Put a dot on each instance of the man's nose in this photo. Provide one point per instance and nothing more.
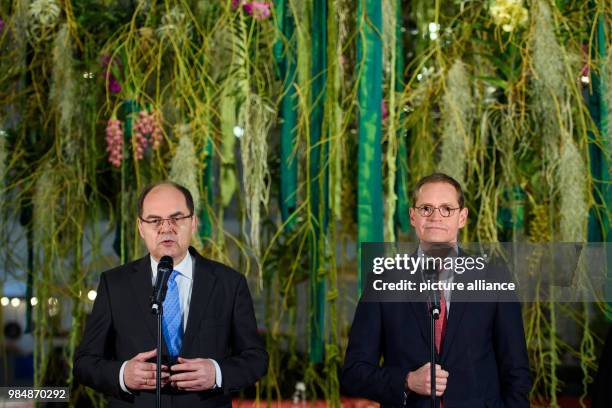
(166, 226)
(436, 216)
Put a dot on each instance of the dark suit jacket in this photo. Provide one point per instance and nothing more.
(221, 325)
(483, 350)
(602, 391)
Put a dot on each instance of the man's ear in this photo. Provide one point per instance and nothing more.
(463, 214)
(194, 223)
(411, 213)
(140, 227)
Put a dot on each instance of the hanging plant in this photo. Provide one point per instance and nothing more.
(147, 132)
(43, 15)
(456, 121)
(173, 22)
(114, 141)
(185, 165)
(509, 14)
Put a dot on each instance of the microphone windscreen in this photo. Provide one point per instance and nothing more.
(165, 262)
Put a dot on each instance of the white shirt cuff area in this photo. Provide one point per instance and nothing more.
(121, 382)
(217, 374)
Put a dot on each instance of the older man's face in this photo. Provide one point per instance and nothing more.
(173, 236)
(436, 228)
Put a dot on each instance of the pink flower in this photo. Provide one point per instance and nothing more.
(108, 65)
(235, 4)
(114, 86)
(260, 10)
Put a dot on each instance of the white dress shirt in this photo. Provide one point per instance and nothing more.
(184, 281)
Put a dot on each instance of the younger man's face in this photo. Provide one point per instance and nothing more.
(436, 228)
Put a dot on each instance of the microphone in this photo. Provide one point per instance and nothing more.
(435, 251)
(432, 274)
(164, 270)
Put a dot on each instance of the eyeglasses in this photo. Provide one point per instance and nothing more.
(427, 210)
(173, 221)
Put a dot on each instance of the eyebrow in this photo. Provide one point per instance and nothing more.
(175, 214)
(448, 204)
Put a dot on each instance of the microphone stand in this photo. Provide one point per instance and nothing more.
(158, 310)
(434, 315)
(164, 269)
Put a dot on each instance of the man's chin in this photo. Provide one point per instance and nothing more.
(436, 240)
(165, 251)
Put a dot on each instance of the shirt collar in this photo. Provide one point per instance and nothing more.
(185, 267)
(453, 253)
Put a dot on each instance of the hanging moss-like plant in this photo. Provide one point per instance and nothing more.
(255, 118)
(63, 87)
(185, 165)
(457, 112)
(550, 85)
(573, 197)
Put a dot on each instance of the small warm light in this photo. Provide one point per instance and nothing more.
(91, 295)
(238, 131)
(5, 301)
(34, 301)
(15, 302)
(585, 79)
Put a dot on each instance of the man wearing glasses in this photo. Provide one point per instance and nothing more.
(480, 347)
(211, 345)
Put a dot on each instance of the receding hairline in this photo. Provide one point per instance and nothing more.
(418, 191)
(166, 183)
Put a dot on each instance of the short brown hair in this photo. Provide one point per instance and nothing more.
(185, 191)
(438, 178)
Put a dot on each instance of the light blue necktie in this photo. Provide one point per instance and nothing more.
(173, 317)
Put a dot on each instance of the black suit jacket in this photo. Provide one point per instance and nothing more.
(602, 392)
(483, 350)
(221, 325)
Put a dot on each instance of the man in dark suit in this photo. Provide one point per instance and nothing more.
(210, 338)
(480, 347)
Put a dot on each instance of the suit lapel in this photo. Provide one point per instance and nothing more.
(455, 315)
(421, 313)
(140, 278)
(201, 291)
(453, 324)
(420, 308)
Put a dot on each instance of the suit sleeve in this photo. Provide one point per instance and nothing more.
(93, 363)
(249, 359)
(511, 355)
(362, 375)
